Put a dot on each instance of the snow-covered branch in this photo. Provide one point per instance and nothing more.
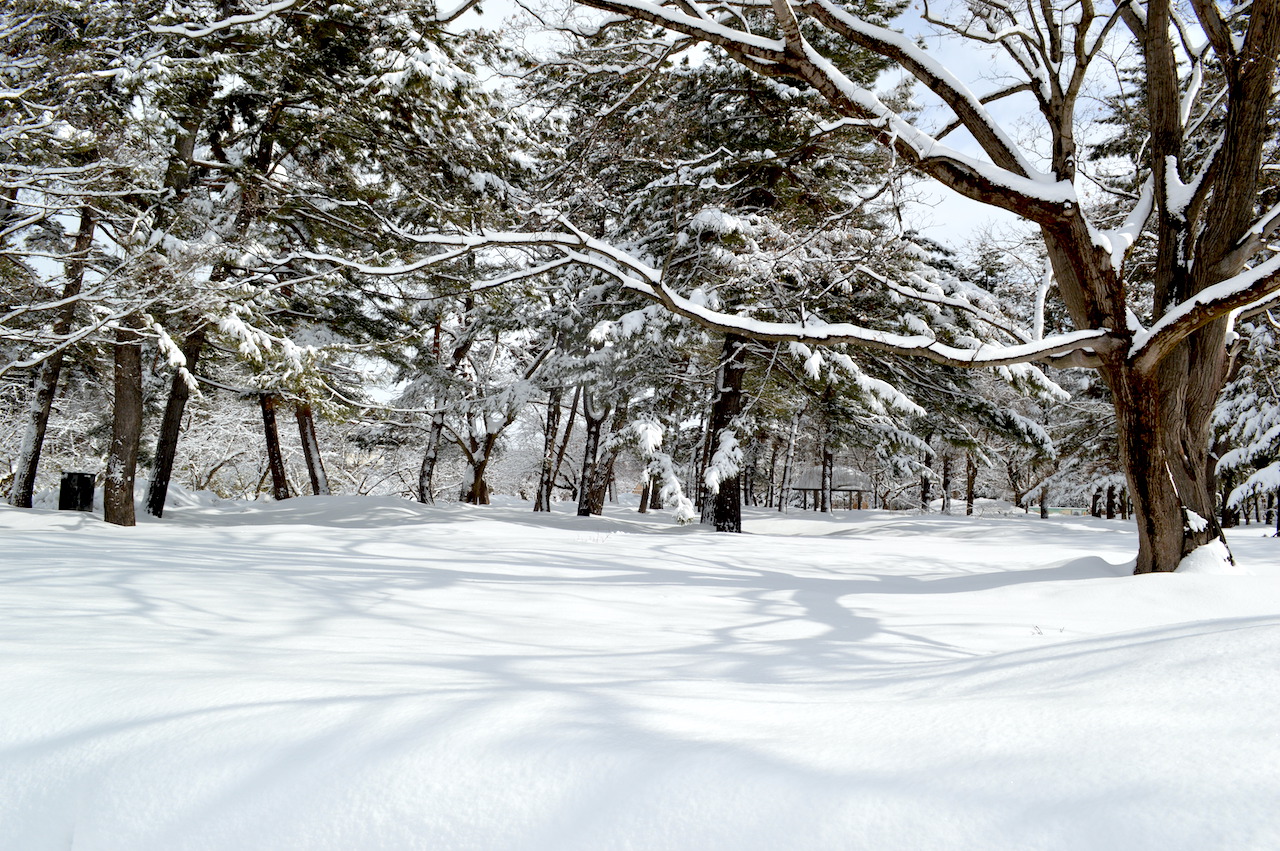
(1073, 349)
(1250, 289)
(190, 30)
(1007, 180)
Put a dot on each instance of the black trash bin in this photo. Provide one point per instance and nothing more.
(76, 492)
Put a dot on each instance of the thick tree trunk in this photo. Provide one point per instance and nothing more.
(602, 474)
(1111, 502)
(275, 458)
(723, 508)
(645, 492)
(1163, 424)
(1044, 502)
(46, 388)
(171, 426)
(311, 449)
(476, 491)
(126, 425)
(594, 421)
(427, 472)
(825, 482)
(655, 498)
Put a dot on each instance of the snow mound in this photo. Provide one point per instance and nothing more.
(1211, 558)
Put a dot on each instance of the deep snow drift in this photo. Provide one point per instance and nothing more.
(347, 673)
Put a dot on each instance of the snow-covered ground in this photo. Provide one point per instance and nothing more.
(347, 673)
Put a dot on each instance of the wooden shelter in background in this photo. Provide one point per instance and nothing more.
(850, 488)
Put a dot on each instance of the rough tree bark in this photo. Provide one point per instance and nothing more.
(594, 422)
(126, 424)
(479, 452)
(311, 448)
(275, 458)
(171, 426)
(427, 472)
(723, 508)
(597, 487)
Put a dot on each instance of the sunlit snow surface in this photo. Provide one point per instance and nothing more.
(349, 673)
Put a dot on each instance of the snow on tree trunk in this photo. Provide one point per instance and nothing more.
(311, 449)
(475, 490)
(602, 472)
(427, 472)
(594, 421)
(1163, 427)
(722, 507)
(275, 458)
(46, 387)
(667, 489)
(126, 425)
(171, 425)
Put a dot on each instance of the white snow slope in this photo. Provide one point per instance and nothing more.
(347, 673)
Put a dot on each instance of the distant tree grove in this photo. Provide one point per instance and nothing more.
(664, 256)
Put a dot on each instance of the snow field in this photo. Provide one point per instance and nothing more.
(346, 673)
